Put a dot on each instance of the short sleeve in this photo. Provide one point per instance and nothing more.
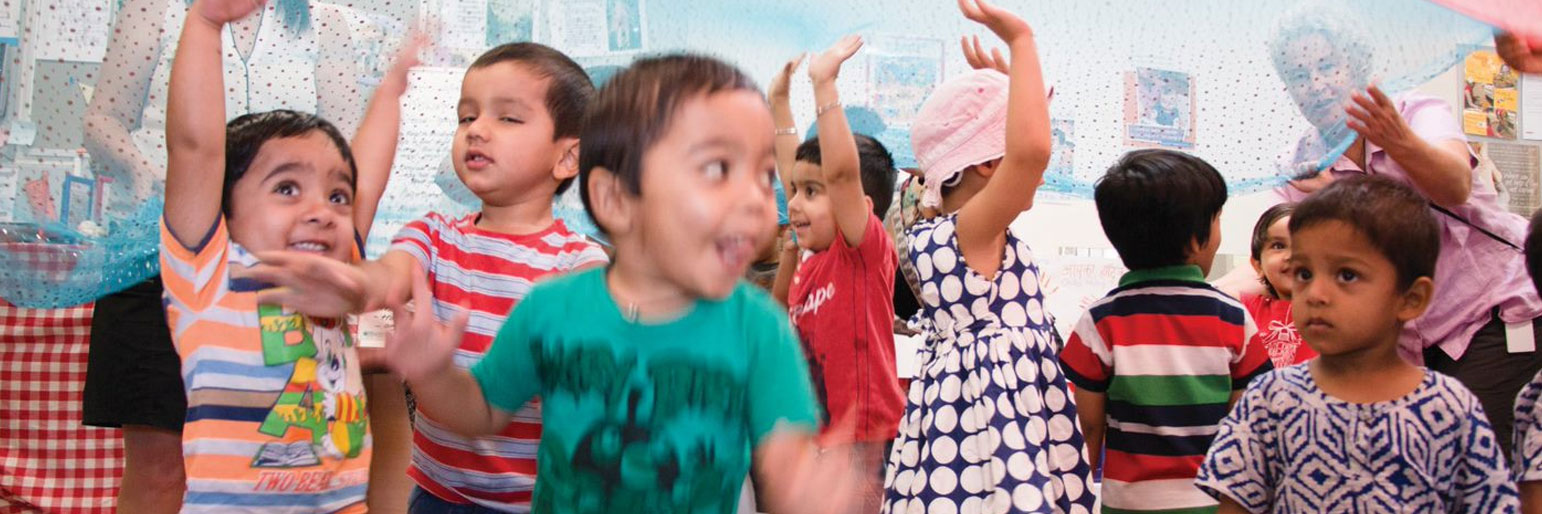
(508, 374)
(779, 386)
(588, 254)
(1430, 118)
(1526, 463)
(417, 237)
(1481, 481)
(193, 276)
(877, 247)
(1241, 464)
(1252, 359)
(1087, 360)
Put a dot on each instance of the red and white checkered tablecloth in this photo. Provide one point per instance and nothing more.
(49, 462)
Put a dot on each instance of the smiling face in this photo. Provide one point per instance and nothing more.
(706, 203)
(808, 208)
(296, 195)
(1273, 262)
(504, 149)
(1319, 78)
(1346, 297)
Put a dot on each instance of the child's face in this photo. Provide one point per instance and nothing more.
(707, 203)
(297, 196)
(1273, 261)
(808, 208)
(503, 149)
(1345, 294)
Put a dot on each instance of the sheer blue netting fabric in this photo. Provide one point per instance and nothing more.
(1257, 88)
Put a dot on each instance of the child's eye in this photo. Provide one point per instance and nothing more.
(466, 119)
(507, 119)
(1345, 275)
(715, 170)
(1303, 274)
(1277, 246)
(341, 198)
(286, 189)
(770, 178)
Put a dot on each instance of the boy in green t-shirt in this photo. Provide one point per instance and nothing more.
(663, 377)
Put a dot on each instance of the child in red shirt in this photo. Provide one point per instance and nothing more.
(1271, 310)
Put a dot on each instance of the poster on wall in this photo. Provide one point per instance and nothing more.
(902, 71)
(1514, 169)
(1076, 278)
(590, 28)
(1490, 96)
(1062, 158)
(77, 30)
(1159, 108)
(1531, 107)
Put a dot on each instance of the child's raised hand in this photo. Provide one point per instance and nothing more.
(781, 85)
(406, 59)
(419, 347)
(978, 59)
(827, 65)
(220, 12)
(1007, 26)
(309, 284)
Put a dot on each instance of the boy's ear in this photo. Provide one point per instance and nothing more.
(1416, 299)
(567, 165)
(612, 204)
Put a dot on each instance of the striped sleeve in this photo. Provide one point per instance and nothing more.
(1087, 360)
(1252, 358)
(192, 276)
(588, 254)
(417, 238)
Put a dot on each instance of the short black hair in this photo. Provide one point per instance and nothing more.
(1261, 236)
(1153, 203)
(245, 135)
(1392, 216)
(569, 91)
(877, 168)
(635, 108)
(1534, 250)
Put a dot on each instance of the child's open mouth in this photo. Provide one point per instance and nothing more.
(310, 247)
(477, 160)
(735, 251)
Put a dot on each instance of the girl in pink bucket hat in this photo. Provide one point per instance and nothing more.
(989, 425)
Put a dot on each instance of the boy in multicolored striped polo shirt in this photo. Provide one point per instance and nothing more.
(1158, 362)
(277, 419)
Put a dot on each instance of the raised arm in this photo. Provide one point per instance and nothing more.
(132, 55)
(1011, 189)
(195, 120)
(840, 164)
(374, 145)
(1439, 169)
(786, 144)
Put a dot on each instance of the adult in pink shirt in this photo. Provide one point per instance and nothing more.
(1481, 283)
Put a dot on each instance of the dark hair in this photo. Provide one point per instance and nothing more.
(635, 109)
(877, 169)
(1534, 250)
(1261, 237)
(245, 135)
(568, 90)
(1153, 203)
(1392, 216)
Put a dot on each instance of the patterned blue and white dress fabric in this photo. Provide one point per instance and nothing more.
(1526, 463)
(990, 425)
(1288, 447)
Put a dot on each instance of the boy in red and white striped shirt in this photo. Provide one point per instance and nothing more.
(516, 147)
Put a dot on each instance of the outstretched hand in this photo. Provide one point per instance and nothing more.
(1374, 116)
(827, 65)
(1007, 26)
(309, 284)
(406, 59)
(978, 59)
(419, 347)
(220, 12)
(781, 85)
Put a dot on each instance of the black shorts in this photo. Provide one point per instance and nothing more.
(133, 374)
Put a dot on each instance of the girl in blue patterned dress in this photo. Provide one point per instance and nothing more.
(990, 425)
(1358, 429)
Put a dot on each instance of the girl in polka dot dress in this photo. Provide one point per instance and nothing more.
(990, 425)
